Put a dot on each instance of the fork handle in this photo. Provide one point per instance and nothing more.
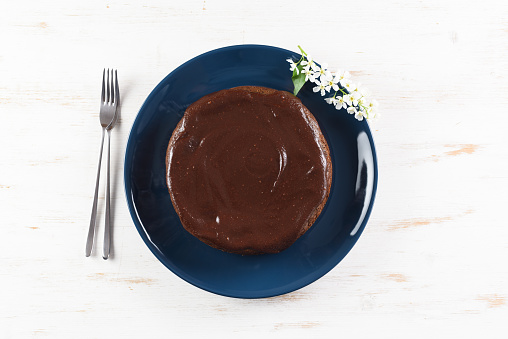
(91, 230)
(107, 239)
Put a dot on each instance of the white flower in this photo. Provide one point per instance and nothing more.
(347, 99)
(352, 110)
(355, 87)
(331, 101)
(309, 75)
(356, 94)
(340, 103)
(350, 100)
(359, 115)
(371, 108)
(342, 77)
(348, 85)
(323, 73)
(358, 91)
(371, 105)
(321, 86)
(332, 82)
(309, 64)
(292, 66)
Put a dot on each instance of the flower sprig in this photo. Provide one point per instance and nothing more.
(347, 95)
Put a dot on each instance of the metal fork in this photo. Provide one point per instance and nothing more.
(110, 100)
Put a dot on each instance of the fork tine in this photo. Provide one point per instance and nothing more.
(108, 90)
(103, 85)
(110, 86)
(117, 89)
(113, 94)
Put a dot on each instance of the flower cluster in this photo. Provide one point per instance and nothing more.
(352, 97)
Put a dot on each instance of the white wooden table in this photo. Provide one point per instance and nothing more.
(432, 262)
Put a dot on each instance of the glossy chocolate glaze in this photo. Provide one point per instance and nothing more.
(248, 170)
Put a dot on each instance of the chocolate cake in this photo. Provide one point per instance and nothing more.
(248, 170)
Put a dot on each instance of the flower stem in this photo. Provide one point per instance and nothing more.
(301, 50)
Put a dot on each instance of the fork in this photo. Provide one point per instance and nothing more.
(110, 100)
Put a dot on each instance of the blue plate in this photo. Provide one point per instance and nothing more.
(310, 257)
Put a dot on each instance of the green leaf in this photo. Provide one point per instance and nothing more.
(298, 80)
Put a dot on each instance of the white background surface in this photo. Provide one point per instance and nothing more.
(432, 261)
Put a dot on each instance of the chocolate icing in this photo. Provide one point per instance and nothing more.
(248, 170)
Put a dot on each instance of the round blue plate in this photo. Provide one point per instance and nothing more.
(310, 257)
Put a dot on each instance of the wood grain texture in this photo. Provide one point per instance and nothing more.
(432, 260)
